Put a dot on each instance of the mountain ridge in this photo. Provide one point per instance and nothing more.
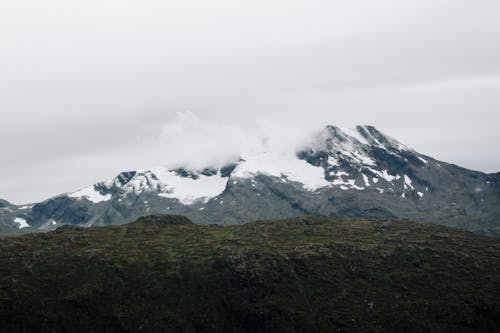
(359, 172)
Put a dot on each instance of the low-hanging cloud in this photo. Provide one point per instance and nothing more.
(193, 141)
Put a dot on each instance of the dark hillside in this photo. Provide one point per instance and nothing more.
(163, 273)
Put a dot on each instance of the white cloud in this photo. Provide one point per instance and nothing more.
(197, 143)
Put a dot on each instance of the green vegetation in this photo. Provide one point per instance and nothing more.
(163, 273)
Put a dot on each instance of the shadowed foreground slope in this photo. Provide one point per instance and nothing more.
(163, 273)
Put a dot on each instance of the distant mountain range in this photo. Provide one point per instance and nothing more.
(356, 173)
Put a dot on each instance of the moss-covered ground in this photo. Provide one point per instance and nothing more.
(307, 274)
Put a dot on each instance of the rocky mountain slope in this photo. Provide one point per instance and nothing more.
(307, 274)
(360, 172)
(12, 217)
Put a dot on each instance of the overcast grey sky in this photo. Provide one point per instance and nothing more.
(90, 88)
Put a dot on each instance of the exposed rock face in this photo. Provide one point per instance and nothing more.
(360, 172)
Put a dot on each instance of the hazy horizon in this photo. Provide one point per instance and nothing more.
(95, 88)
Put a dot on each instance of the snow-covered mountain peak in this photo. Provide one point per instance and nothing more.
(334, 156)
(334, 138)
(358, 171)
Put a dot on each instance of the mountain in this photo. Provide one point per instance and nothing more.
(306, 274)
(12, 217)
(359, 173)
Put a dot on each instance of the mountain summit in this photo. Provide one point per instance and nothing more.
(359, 172)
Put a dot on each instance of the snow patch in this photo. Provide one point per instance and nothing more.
(189, 190)
(143, 181)
(408, 182)
(365, 179)
(423, 160)
(332, 161)
(90, 194)
(282, 165)
(22, 222)
(345, 184)
(363, 159)
(384, 175)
